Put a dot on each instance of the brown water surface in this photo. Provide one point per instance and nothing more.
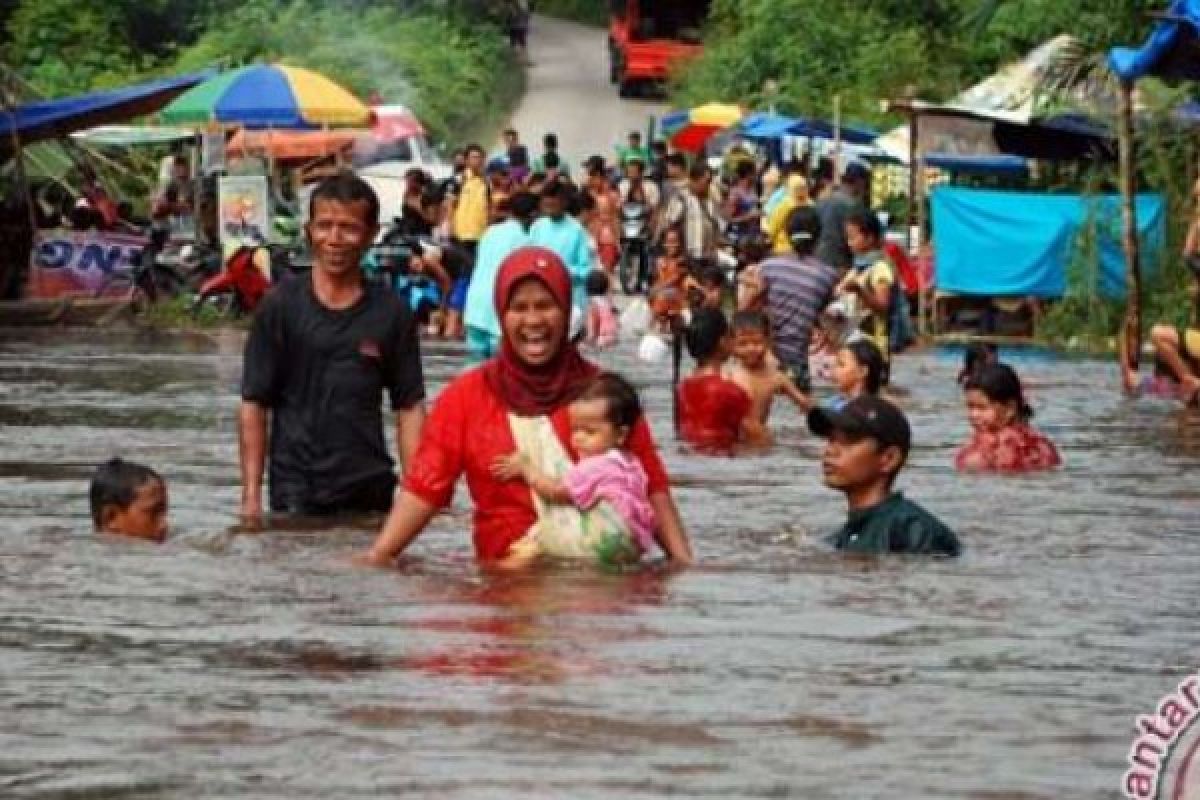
(264, 666)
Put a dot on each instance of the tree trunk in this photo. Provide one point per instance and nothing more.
(1129, 238)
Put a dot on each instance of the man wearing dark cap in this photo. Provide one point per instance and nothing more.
(834, 209)
(868, 444)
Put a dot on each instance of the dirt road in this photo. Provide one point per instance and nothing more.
(569, 93)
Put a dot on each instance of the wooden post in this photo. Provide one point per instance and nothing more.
(22, 182)
(1129, 237)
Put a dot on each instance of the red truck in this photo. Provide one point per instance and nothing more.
(647, 37)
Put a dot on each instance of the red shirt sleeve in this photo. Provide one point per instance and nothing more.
(641, 445)
(439, 459)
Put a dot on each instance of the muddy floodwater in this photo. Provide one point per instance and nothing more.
(265, 666)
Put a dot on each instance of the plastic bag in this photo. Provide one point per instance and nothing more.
(653, 349)
(636, 318)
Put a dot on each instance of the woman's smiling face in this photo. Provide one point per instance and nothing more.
(534, 323)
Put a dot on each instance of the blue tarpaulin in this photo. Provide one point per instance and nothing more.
(774, 126)
(48, 119)
(1167, 53)
(996, 243)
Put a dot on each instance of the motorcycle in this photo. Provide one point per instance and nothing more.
(635, 265)
(151, 279)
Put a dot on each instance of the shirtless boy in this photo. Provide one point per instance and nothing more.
(757, 371)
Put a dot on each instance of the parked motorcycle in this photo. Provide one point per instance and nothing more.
(151, 279)
(246, 277)
(635, 266)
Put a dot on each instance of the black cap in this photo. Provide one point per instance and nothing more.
(803, 225)
(866, 415)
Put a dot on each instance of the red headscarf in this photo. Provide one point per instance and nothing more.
(531, 391)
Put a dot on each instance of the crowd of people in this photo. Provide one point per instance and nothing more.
(558, 457)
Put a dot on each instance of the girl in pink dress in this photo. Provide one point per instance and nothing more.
(1002, 439)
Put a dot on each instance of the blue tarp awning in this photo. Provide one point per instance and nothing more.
(997, 244)
(775, 126)
(980, 165)
(49, 119)
(1169, 52)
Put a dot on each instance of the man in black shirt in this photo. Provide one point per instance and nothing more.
(321, 352)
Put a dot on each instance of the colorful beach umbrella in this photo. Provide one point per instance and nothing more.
(690, 130)
(268, 96)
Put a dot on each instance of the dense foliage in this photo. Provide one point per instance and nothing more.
(866, 52)
(441, 57)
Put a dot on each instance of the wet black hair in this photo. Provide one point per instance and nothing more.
(752, 249)
(432, 195)
(677, 160)
(597, 283)
(975, 357)
(550, 141)
(707, 272)
(868, 222)
(346, 188)
(1000, 384)
(524, 205)
(115, 483)
(556, 189)
(624, 406)
(867, 355)
(704, 333)
(751, 321)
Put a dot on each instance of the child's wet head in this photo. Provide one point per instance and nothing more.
(129, 499)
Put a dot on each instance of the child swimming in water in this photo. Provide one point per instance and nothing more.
(129, 499)
(1002, 438)
(601, 420)
(757, 371)
(713, 411)
(858, 370)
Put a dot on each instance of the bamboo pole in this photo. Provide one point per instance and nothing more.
(1129, 238)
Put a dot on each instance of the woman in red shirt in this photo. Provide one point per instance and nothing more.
(537, 374)
(1002, 439)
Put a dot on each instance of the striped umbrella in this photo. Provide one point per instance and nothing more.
(690, 130)
(268, 96)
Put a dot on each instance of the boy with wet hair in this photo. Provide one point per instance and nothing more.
(757, 371)
(129, 499)
(868, 444)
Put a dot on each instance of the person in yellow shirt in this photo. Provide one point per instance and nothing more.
(776, 224)
(468, 222)
(471, 210)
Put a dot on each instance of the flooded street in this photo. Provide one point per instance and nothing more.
(264, 666)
